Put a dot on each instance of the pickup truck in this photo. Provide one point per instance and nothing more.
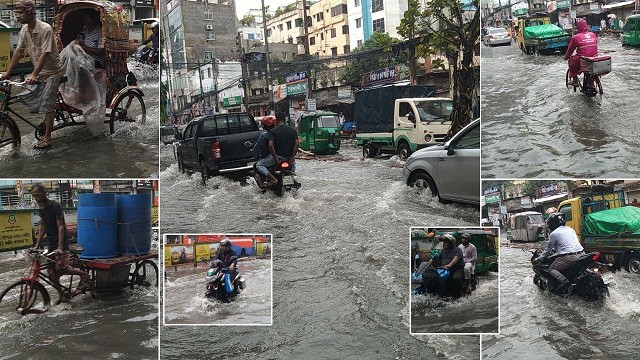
(536, 35)
(217, 144)
(604, 223)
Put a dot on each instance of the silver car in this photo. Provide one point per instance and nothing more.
(497, 36)
(451, 171)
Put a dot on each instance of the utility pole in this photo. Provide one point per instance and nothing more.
(308, 95)
(268, 57)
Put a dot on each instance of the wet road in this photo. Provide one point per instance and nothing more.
(539, 325)
(533, 127)
(118, 326)
(340, 260)
(131, 152)
(184, 301)
(475, 313)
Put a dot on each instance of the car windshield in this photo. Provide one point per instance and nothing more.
(536, 219)
(434, 110)
(497, 31)
(328, 121)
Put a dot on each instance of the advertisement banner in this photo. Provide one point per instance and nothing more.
(167, 256)
(263, 249)
(491, 199)
(181, 254)
(294, 89)
(293, 78)
(381, 76)
(202, 252)
(345, 93)
(15, 231)
(232, 101)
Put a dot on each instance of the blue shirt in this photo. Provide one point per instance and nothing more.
(261, 148)
(563, 240)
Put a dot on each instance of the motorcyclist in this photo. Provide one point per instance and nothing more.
(261, 149)
(451, 258)
(283, 146)
(152, 51)
(585, 43)
(225, 257)
(564, 242)
(469, 256)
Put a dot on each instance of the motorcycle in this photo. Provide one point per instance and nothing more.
(286, 178)
(220, 285)
(146, 55)
(436, 281)
(589, 278)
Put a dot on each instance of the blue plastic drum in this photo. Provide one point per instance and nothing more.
(97, 226)
(134, 224)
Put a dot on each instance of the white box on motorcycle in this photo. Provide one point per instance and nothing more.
(596, 65)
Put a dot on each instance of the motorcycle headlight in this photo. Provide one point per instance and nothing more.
(209, 272)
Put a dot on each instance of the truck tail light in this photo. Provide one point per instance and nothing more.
(216, 150)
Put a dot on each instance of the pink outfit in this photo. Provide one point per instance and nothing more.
(585, 43)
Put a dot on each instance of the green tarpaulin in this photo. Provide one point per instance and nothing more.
(613, 221)
(542, 31)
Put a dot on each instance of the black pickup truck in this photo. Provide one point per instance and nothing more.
(217, 144)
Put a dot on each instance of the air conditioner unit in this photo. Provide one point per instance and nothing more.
(209, 27)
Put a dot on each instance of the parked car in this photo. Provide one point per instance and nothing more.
(451, 171)
(497, 36)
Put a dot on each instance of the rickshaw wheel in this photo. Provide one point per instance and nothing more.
(129, 108)
(9, 132)
(146, 273)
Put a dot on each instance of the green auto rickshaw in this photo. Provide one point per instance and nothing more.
(319, 132)
(631, 31)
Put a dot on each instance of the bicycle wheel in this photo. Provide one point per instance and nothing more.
(128, 108)
(9, 132)
(146, 273)
(598, 84)
(25, 299)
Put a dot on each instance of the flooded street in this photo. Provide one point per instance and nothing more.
(475, 313)
(540, 325)
(533, 127)
(340, 260)
(122, 325)
(184, 301)
(131, 152)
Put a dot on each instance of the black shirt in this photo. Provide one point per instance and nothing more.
(227, 257)
(49, 216)
(446, 256)
(284, 139)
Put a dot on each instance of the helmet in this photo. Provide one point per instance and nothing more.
(268, 121)
(225, 242)
(154, 25)
(555, 220)
(448, 238)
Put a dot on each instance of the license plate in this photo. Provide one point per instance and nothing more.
(287, 180)
(607, 278)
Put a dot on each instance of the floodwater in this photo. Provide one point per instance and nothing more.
(474, 313)
(131, 152)
(533, 127)
(184, 301)
(540, 325)
(340, 260)
(122, 325)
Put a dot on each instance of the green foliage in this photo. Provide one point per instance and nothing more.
(386, 56)
(285, 9)
(248, 20)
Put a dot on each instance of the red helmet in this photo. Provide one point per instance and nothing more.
(268, 121)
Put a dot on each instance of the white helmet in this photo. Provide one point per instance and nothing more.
(154, 25)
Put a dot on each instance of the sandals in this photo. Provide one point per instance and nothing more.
(81, 289)
(42, 144)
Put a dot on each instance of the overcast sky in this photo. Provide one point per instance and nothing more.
(243, 6)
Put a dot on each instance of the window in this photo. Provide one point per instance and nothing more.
(299, 22)
(321, 36)
(347, 49)
(209, 127)
(338, 10)
(378, 25)
(345, 29)
(221, 125)
(358, 23)
(251, 36)
(208, 55)
(333, 33)
(377, 5)
(209, 35)
(359, 43)
(334, 51)
(209, 73)
(208, 15)
(320, 16)
(247, 123)
(288, 25)
(312, 40)
(188, 133)
(268, 32)
(356, 2)
(234, 124)
(566, 210)
(280, 27)
(470, 140)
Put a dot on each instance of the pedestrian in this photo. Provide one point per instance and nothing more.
(38, 41)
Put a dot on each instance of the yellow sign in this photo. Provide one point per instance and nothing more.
(167, 256)
(15, 230)
(8, 42)
(202, 252)
(263, 249)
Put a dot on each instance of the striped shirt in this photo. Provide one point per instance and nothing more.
(93, 39)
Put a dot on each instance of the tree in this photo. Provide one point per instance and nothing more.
(450, 27)
(248, 20)
(376, 53)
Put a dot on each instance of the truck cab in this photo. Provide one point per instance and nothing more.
(533, 37)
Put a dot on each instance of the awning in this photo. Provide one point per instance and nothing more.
(617, 5)
(549, 198)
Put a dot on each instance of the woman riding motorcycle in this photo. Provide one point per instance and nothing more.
(585, 43)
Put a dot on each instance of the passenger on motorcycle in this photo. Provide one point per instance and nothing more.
(225, 257)
(154, 39)
(261, 149)
(585, 43)
(469, 255)
(283, 146)
(564, 241)
(451, 259)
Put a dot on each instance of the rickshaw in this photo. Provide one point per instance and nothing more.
(124, 100)
(319, 132)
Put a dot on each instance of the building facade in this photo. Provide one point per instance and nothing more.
(329, 31)
(287, 28)
(366, 16)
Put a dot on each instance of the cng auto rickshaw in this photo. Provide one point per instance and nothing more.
(631, 31)
(319, 132)
(527, 226)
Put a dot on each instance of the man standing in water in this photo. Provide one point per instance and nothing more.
(52, 229)
(37, 38)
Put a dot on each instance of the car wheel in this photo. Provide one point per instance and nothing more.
(404, 151)
(369, 151)
(180, 166)
(423, 181)
(204, 172)
(633, 266)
